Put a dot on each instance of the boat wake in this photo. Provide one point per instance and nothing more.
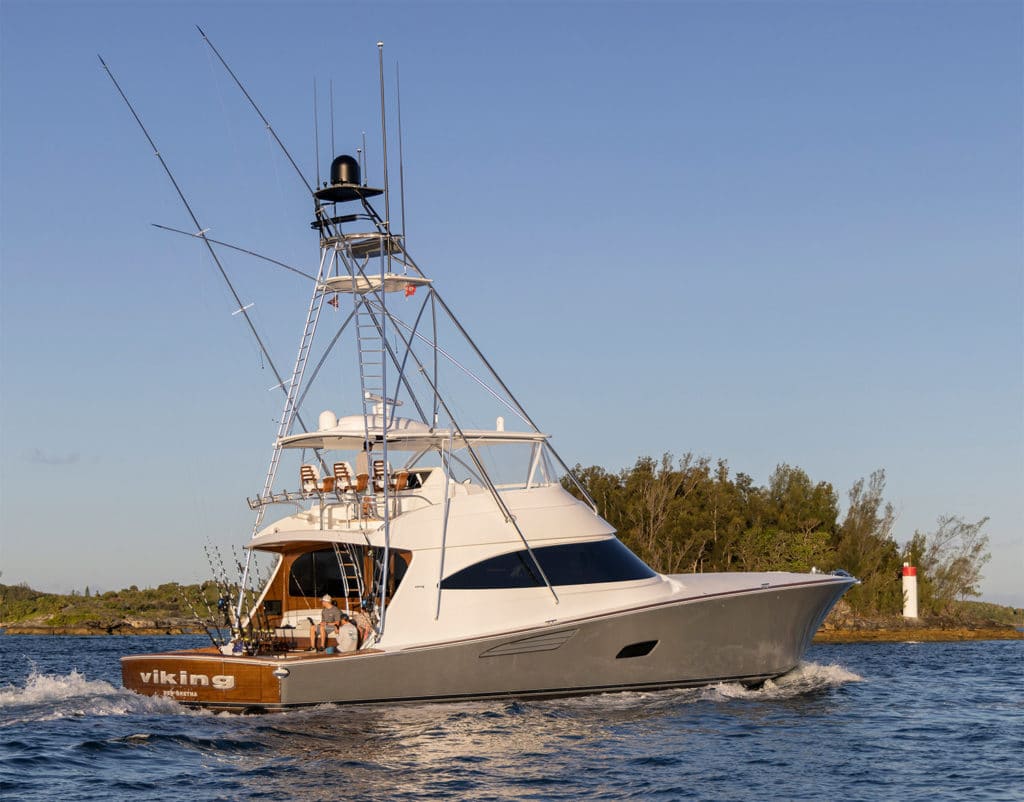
(49, 697)
(805, 678)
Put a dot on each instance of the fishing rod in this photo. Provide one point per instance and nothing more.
(220, 578)
(195, 613)
(245, 597)
(209, 610)
(250, 595)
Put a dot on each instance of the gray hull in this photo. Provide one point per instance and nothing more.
(745, 637)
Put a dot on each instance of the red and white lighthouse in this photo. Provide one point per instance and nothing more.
(909, 591)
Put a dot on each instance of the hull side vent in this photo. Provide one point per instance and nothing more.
(636, 649)
(540, 643)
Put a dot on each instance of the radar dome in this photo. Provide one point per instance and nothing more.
(345, 170)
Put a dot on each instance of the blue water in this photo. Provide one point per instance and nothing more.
(854, 722)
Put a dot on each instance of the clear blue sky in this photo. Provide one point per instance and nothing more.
(765, 232)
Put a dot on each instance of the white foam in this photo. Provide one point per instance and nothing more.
(46, 697)
(41, 688)
(805, 678)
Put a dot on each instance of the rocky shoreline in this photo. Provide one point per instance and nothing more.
(918, 634)
(118, 629)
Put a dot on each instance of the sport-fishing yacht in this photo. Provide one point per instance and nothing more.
(477, 564)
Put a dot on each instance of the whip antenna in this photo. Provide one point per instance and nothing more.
(362, 158)
(316, 135)
(401, 157)
(384, 140)
(330, 89)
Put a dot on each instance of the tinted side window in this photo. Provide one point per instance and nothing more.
(317, 573)
(567, 564)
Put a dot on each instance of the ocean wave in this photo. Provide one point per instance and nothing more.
(47, 697)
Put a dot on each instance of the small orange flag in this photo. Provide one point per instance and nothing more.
(410, 289)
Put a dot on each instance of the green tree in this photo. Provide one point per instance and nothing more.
(606, 489)
(798, 505)
(865, 547)
(726, 503)
(790, 523)
(949, 563)
(667, 510)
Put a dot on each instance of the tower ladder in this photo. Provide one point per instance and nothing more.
(316, 303)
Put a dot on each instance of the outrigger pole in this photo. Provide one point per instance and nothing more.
(266, 122)
(201, 234)
(239, 249)
(498, 500)
(341, 329)
(522, 411)
(200, 231)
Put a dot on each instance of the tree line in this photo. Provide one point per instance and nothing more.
(692, 515)
(169, 602)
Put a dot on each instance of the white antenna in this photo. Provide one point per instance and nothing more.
(331, 91)
(401, 158)
(384, 140)
(362, 167)
(316, 134)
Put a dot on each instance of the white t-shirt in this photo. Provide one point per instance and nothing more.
(348, 637)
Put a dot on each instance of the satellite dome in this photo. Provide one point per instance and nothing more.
(345, 170)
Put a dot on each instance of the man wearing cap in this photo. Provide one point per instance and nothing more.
(330, 617)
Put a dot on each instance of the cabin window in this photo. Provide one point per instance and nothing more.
(272, 606)
(568, 564)
(317, 572)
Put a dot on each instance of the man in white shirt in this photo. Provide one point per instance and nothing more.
(348, 636)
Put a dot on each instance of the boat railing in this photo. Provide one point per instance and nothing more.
(284, 497)
(522, 485)
(346, 506)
